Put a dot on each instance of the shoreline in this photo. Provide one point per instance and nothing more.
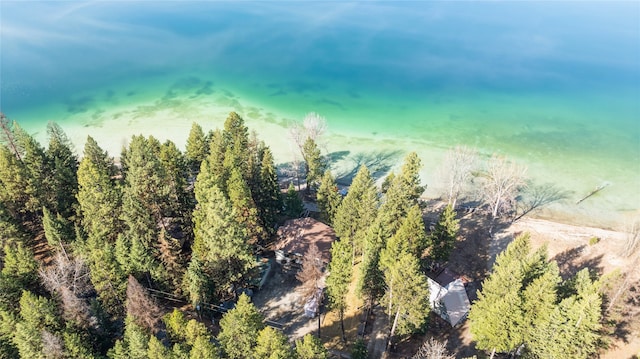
(113, 124)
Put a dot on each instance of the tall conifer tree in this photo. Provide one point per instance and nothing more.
(443, 238)
(239, 329)
(340, 271)
(328, 198)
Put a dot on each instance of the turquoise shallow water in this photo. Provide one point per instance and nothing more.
(554, 85)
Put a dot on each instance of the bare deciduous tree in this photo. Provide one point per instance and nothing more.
(503, 180)
(141, 306)
(313, 126)
(632, 238)
(52, 346)
(311, 273)
(69, 278)
(433, 349)
(65, 272)
(459, 162)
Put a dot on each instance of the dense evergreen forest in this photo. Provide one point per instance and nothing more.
(85, 239)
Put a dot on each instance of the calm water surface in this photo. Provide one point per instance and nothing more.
(555, 85)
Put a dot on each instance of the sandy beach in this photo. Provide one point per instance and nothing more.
(112, 125)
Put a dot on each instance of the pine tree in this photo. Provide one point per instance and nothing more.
(145, 199)
(56, 229)
(444, 235)
(77, 345)
(181, 202)
(212, 170)
(496, 317)
(19, 264)
(328, 198)
(176, 324)
(371, 280)
(315, 165)
(268, 199)
(539, 301)
(235, 136)
(134, 344)
(107, 276)
(37, 314)
(310, 347)
(407, 295)
(197, 283)
(13, 193)
(572, 329)
(340, 270)
(7, 136)
(357, 211)
(157, 350)
(197, 148)
(244, 206)
(38, 187)
(411, 235)
(220, 242)
(203, 348)
(402, 193)
(272, 344)
(64, 166)
(170, 255)
(239, 329)
(98, 196)
(293, 206)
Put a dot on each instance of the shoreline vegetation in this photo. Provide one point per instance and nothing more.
(89, 242)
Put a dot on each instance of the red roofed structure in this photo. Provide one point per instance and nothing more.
(296, 236)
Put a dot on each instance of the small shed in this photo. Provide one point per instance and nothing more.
(297, 235)
(450, 301)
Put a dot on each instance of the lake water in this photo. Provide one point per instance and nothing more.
(553, 85)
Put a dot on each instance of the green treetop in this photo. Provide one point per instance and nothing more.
(310, 347)
(357, 211)
(407, 295)
(220, 241)
(197, 148)
(272, 344)
(340, 271)
(328, 198)
(402, 193)
(314, 163)
(268, 197)
(239, 329)
(64, 165)
(293, 206)
(443, 237)
(98, 196)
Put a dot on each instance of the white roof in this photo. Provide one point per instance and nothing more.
(456, 301)
(453, 296)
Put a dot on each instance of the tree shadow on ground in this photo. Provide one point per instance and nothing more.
(337, 156)
(379, 164)
(536, 196)
(571, 262)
